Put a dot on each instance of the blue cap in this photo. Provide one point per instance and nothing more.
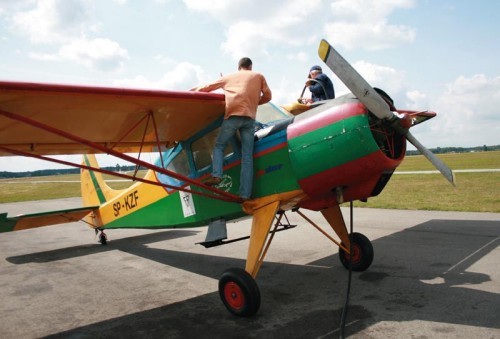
(315, 68)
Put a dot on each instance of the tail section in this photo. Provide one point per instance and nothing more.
(95, 191)
(112, 206)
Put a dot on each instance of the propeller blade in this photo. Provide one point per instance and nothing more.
(438, 163)
(354, 81)
(374, 102)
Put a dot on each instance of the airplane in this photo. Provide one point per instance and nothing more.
(311, 157)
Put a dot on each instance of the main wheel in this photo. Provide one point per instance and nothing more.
(239, 292)
(362, 253)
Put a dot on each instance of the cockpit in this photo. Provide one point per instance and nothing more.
(193, 157)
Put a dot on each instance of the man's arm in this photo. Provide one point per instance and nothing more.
(219, 83)
(266, 93)
(316, 87)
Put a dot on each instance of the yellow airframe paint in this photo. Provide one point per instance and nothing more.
(131, 200)
(264, 210)
(119, 203)
(334, 217)
(323, 49)
(261, 224)
(50, 219)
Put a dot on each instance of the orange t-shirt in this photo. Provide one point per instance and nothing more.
(243, 92)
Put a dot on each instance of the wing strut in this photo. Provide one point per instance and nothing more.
(219, 194)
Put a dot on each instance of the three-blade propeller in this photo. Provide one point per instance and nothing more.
(374, 102)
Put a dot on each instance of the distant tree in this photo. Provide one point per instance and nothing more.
(485, 148)
(117, 167)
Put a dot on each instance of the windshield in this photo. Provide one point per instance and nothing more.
(270, 112)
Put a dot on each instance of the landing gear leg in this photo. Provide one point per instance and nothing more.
(237, 287)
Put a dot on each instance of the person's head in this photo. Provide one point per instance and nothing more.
(245, 63)
(314, 71)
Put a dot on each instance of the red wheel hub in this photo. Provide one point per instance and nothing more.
(234, 295)
(356, 253)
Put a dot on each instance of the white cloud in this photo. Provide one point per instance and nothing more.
(244, 38)
(364, 24)
(101, 54)
(416, 100)
(222, 10)
(467, 113)
(386, 78)
(53, 21)
(290, 24)
(250, 30)
(68, 24)
(164, 59)
(181, 77)
(476, 98)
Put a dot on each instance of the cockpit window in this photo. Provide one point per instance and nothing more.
(179, 164)
(270, 112)
(202, 150)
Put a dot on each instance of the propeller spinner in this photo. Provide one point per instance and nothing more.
(374, 102)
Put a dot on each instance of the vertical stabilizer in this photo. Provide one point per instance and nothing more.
(94, 190)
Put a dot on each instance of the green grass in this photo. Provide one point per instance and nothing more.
(474, 192)
(34, 188)
(478, 192)
(455, 161)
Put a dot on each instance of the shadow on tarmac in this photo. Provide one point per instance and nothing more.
(418, 273)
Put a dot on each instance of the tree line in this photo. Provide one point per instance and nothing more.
(50, 172)
(442, 150)
(123, 168)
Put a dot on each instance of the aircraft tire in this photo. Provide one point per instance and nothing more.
(362, 253)
(103, 239)
(239, 292)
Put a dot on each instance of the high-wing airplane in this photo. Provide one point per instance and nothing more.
(312, 157)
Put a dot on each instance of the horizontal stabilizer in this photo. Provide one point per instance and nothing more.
(26, 221)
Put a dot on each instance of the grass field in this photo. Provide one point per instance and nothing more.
(474, 192)
(479, 192)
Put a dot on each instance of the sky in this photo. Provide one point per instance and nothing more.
(438, 55)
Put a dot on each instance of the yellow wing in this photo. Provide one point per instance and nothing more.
(114, 117)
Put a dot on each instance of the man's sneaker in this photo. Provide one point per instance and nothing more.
(212, 181)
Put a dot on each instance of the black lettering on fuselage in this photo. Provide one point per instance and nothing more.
(130, 201)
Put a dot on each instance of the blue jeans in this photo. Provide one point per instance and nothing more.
(228, 129)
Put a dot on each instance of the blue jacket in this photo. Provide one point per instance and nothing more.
(318, 88)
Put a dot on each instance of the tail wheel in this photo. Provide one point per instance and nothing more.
(362, 253)
(103, 239)
(239, 292)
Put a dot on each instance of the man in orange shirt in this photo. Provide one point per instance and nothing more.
(244, 91)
